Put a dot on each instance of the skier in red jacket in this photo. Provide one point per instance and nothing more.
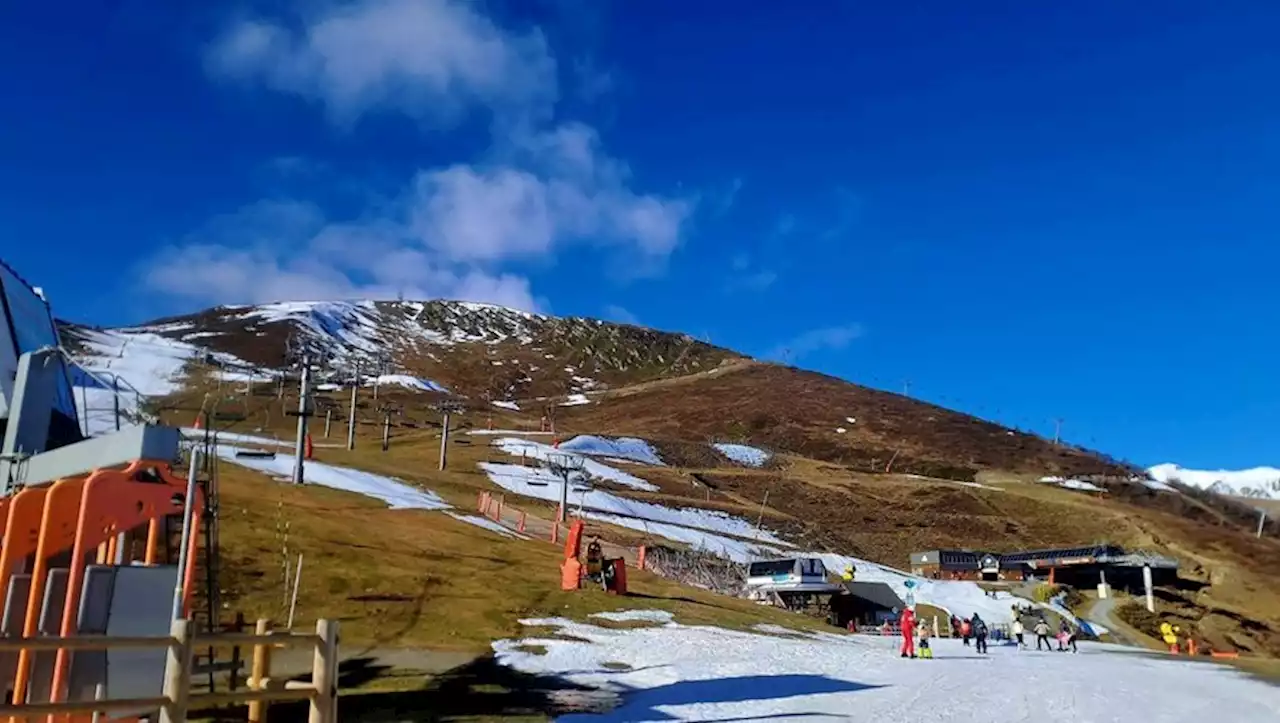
(908, 625)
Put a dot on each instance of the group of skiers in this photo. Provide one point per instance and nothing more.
(972, 628)
(976, 629)
(1066, 636)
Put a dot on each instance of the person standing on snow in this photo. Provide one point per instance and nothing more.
(1018, 631)
(980, 633)
(1042, 635)
(1066, 636)
(926, 652)
(966, 631)
(908, 624)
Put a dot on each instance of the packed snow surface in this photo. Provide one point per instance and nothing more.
(408, 382)
(223, 437)
(545, 452)
(487, 524)
(629, 448)
(145, 364)
(394, 492)
(743, 454)
(1260, 482)
(575, 400)
(541, 483)
(506, 405)
(957, 597)
(697, 673)
(1072, 484)
(730, 548)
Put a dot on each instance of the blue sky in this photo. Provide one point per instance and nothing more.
(1028, 211)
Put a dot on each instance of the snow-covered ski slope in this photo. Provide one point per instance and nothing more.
(720, 533)
(624, 448)
(395, 493)
(144, 361)
(694, 673)
(743, 454)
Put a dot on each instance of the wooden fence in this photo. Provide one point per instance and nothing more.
(176, 698)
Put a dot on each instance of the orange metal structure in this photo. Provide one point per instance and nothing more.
(85, 516)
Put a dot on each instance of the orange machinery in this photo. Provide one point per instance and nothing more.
(107, 516)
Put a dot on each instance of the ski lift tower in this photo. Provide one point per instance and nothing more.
(569, 468)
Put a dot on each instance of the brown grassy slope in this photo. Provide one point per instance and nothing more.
(885, 517)
(799, 411)
(414, 578)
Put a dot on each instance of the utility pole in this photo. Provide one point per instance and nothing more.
(1146, 581)
(1262, 519)
(351, 420)
(564, 466)
(906, 388)
(447, 409)
(1057, 430)
(328, 420)
(304, 411)
(386, 430)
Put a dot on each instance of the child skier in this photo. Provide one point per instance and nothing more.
(966, 630)
(925, 651)
(1018, 633)
(1066, 637)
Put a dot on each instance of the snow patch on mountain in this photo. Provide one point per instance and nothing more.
(410, 382)
(743, 454)
(139, 364)
(625, 448)
(1258, 482)
(1072, 484)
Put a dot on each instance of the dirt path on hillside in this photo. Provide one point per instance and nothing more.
(1103, 611)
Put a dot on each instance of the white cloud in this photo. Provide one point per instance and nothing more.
(286, 250)
(617, 313)
(453, 229)
(826, 338)
(430, 59)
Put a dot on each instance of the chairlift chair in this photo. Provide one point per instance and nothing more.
(580, 483)
(255, 454)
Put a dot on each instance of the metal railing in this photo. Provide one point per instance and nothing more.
(176, 699)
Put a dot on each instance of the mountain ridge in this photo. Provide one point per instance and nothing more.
(497, 354)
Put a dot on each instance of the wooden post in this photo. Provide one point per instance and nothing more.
(640, 558)
(386, 431)
(555, 532)
(177, 673)
(324, 668)
(260, 668)
(520, 528)
(501, 499)
(237, 626)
